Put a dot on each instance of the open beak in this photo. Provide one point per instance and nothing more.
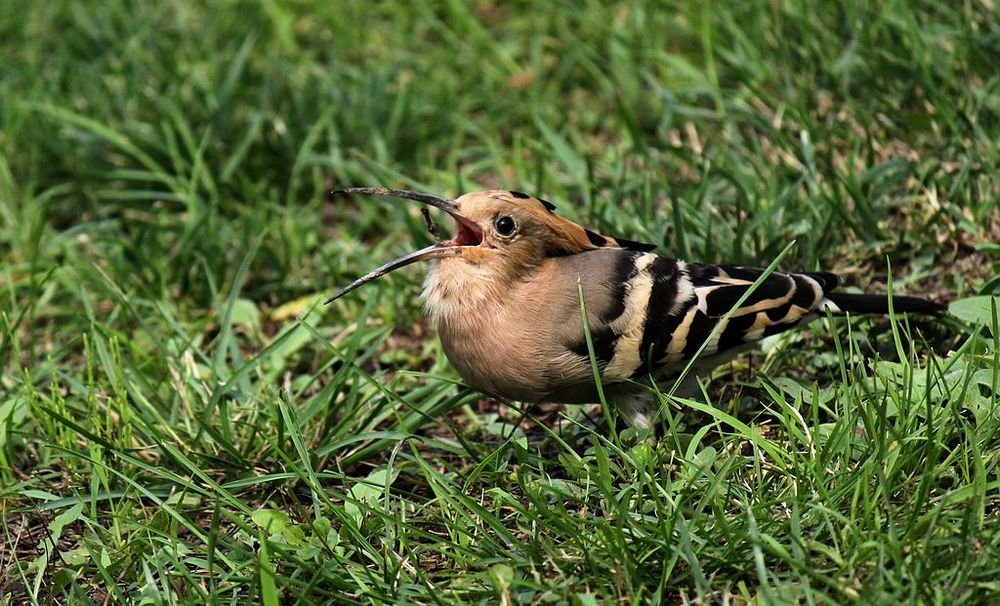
(468, 235)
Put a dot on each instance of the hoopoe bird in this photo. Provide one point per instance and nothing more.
(505, 294)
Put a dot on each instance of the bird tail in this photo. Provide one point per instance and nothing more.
(842, 303)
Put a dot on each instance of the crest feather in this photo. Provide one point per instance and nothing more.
(576, 239)
(570, 238)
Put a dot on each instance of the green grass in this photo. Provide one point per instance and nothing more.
(181, 422)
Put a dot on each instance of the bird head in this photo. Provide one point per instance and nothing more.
(501, 233)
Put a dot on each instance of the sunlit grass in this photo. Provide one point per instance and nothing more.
(182, 421)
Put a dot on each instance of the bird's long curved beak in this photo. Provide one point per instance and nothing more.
(469, 235)
(432, 251)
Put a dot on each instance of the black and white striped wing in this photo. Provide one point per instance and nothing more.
(690, 300)
(705, 294)
(661, 311)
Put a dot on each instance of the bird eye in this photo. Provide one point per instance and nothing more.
(505, 226)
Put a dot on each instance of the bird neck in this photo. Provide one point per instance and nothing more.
(456, 290)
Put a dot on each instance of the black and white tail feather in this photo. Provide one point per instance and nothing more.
(688, 303)
(780, 302)
(843, 303)
(691, 308)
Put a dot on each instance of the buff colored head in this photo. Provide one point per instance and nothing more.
(501, 233)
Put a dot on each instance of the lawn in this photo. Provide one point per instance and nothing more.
(183, 422)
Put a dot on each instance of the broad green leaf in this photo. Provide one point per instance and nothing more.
(977, 310)
(367, 492)
(272, 520)
(280, 527)
(245, 314)
(502, 576)
(55, 530)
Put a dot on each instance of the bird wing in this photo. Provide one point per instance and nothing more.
(646, 311)
(704, 294)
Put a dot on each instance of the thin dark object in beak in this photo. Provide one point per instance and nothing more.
(432, 251)
(432, 227)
